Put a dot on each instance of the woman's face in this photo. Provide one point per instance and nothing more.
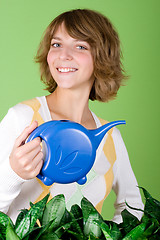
(70, 61)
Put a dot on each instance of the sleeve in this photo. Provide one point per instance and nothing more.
(125, 184)
(10, 182)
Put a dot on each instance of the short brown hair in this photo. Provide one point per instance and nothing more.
(97, 30)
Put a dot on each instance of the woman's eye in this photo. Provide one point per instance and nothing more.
(82, 47)
(55, 45)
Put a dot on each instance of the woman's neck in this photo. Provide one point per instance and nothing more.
(70, 105)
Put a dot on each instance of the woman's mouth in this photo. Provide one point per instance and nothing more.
(66, 69)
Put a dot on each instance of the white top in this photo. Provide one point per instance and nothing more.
(16, 193)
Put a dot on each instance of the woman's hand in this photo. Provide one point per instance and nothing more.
(26, 159)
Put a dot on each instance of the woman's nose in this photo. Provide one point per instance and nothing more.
(65, 54)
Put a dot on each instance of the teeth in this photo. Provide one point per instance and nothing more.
(64, 70)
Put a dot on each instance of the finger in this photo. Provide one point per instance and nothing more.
(32, 147)
(26, 132)
(37, 168)
(27, 154)
(37, 159)
(30, 168)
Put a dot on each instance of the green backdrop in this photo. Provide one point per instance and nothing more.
(138, 23)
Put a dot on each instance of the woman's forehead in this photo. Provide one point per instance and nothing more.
(62, 31)
(72, 30)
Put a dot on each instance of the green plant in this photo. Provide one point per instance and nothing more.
(53, 221)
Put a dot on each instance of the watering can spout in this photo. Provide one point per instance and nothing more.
(100, 132)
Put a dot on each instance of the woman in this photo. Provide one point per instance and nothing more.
(79, 59)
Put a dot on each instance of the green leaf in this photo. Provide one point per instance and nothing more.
(37, 210)
(154, 237)
(68, 221)
(57, 234)
(77, 213)
(76, 227)
(4, 220)
(152, 228)
(10, 232)
(69, 217)
(2, 236)
(49, 236)
(114, 230)
(28, 222)
(31, 204)
(62, 229)
(90, 219)
(136, 232)
(2, 231)
(20, 217)
(91, 227)
(149, 197)
(36, 233)
(54, 210)
(152, 206)
(66, 218)
(92, 237)
(106, 230)
(76, 235)
(129, 221)
(23, 228)
(145, 219)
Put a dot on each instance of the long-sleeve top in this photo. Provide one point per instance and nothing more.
(111, 169)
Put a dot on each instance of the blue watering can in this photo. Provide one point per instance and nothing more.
(70, 150)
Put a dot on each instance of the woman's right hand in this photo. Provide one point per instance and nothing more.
(26, 159)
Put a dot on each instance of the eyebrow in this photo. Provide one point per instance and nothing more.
(76, 40)
(57, 38)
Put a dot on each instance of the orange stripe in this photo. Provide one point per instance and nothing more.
(109, 151)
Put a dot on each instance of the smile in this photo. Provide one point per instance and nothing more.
(66, 69)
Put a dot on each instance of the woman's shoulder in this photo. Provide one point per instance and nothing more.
(23, 111)
(29, 105)
(24, 108)
(17, 118)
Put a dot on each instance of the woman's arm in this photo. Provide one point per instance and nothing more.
(18, 161)
(10, 182)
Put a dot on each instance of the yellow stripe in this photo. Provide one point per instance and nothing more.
(35, 105)
(109, 151)
(45, 191)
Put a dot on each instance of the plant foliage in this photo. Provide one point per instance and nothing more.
(53, 221)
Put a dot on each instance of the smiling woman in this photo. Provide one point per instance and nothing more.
(80, 59)
(96, 30)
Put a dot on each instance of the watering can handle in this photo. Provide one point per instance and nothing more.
(38, 132)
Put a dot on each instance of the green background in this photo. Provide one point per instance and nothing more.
(138, 23)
